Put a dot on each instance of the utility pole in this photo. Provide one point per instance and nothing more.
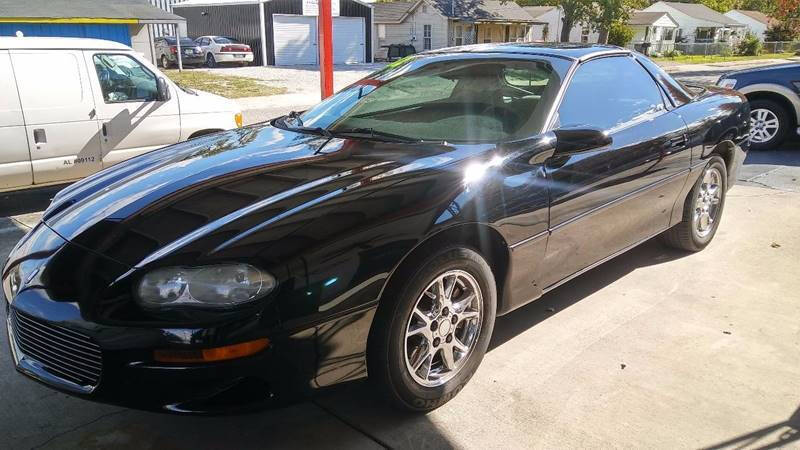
(325, 46)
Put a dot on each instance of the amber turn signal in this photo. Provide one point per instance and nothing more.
(212, 354)
(238, 118)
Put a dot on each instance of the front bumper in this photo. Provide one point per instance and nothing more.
(129, 376)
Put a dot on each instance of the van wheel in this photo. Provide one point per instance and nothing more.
(432, 329)
(164, 62)
(210, 61)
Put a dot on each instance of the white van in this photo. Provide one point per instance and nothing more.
(70, 107)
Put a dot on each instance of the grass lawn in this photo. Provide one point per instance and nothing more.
(701, 59)
(224, 85)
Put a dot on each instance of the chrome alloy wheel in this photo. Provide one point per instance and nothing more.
(764, 125)
(443, 328)
(707, 203)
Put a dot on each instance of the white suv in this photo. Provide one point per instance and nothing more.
(70, 107)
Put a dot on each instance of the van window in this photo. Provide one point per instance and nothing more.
(123, 79)
(34, 73)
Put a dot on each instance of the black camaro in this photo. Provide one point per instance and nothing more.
(380, 232)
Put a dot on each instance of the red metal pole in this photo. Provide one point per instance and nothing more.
(325, 48)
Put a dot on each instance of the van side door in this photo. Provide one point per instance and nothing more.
(60, 116)
(15, 158)
(132, 118)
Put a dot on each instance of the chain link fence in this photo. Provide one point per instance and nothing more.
(709, 48)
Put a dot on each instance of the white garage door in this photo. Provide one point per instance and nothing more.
(295, 39)
(348, 40)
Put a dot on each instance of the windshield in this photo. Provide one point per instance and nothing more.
(469, 99)
(225, 40)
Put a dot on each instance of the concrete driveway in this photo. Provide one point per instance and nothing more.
(654, 349)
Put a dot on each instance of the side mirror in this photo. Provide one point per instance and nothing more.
(574, 140)
(163, 89)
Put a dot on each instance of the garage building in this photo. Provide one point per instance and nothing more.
(123, 21)
(283, 30)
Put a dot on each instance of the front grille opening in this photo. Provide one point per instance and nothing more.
(64, 353)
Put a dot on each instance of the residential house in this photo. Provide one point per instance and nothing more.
(755, 21)
(654, 31)
(697, 23)
(432, 24)
(551, 22)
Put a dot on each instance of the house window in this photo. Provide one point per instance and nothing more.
(704, 34)
(545, 32)
(585, 35)
(459, 35)
(425, 9)
(668, 34)
(522, 32)
(426, 37)
(381, 31)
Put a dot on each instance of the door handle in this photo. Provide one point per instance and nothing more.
(677, 142)
(39, 136)
(105, 131)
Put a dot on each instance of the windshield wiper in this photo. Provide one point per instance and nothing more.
(376, 134)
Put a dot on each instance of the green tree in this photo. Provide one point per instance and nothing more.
(605, 13)
(620, 34)
(575, 11)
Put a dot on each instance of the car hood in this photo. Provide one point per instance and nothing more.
(762, 69)
(214, 197)
(206, 102)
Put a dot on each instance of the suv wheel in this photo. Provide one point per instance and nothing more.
(769, 124)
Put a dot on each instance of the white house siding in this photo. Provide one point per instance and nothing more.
(554, 24)
(686, 23)
(412, 29)
(753, 25)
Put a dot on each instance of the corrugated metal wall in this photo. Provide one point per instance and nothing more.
(110, 32)
(239, 21)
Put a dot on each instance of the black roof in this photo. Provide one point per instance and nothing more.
(563, 50)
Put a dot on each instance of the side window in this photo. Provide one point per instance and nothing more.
(608, 92)
(123, 79)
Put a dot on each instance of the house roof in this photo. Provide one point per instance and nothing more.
(648, 17)
(85, 9)
(392, 12)
(756, 15)
(702, 12)
(538, 11)
(482, 10)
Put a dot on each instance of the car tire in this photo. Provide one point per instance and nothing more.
(764, 113)
(411, 301)
(210, 61)
(164, 62)
(702, 209)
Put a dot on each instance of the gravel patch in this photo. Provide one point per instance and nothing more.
(300, 79)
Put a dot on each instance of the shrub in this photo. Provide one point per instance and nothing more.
(620, 34)
(674, 53)
(749, 46)
(726, 50)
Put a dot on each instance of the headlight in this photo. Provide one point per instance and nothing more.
(12, 283)
(727, 83)
(238, 119)
(217, 286)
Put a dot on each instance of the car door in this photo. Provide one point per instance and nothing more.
(606, 199)
(204, 43)
(60, 114)
(15, 158)
(132, 119)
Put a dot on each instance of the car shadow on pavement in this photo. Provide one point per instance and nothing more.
(28, 200)
(787, 432)
(650, 253)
